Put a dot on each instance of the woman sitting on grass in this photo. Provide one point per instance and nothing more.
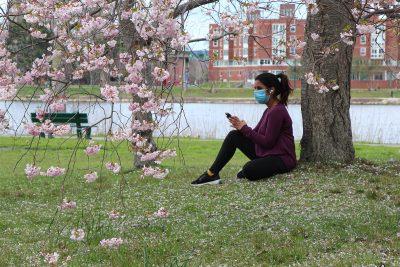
(270, 145)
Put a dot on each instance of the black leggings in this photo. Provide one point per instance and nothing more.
(257, 168)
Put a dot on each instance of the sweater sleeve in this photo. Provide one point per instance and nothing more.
(274, 125)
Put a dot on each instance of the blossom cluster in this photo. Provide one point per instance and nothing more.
(47, 127)
(320, 83)
(32, 171)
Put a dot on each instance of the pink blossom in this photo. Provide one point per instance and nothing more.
(161, 213)
(90, 177)
(8, 92)
(312, 6)
(150, 156)
(398, 76)
(31, 171)
(62, 129)
(77, 234)
(110, 93)
(92, 149)
(67, 205)
(347, 37)
(301, 44)
(4, 124)
(112, 43)
(155, 172)
(114, 167)
(310, 78)
(37, 34)
(160, 74)
(54, 171)
(111, 243)
(47, 97)
(364, 29)
(114, 214)
(40, 114)
(51, 258)
(150, 106)
(169, 153)
(33, 129)
(314, 36)
(48, 127)
(134, 107)
(322, 88)
(57, 106)
(125, 58)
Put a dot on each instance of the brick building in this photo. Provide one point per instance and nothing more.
(240, 59)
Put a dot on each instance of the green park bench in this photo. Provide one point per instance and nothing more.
(71, 118)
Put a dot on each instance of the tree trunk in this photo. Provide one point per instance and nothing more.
(327, 132)
(131, 43)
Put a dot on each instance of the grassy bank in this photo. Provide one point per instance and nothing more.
(317, 215)
(204, 91)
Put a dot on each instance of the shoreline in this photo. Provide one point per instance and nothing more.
(297, 101)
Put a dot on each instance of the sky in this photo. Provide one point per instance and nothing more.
(197, 22)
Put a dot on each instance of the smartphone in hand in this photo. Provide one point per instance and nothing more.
(228, 115)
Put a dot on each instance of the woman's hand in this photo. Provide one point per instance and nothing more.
(236, 122)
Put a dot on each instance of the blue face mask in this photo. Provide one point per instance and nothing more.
(260, 96)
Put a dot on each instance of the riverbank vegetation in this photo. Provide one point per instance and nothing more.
(317, 215)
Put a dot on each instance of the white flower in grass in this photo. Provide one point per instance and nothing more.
(67, 205)
(111, 243)
(51, 258)
(91, 177)
(161, 213)
(77, 234)
(114, 214)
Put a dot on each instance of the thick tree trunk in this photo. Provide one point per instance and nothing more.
(327, 132)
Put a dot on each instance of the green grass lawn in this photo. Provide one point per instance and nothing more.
(317, 215)
(204, 91)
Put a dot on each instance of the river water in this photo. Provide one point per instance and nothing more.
(370, 123)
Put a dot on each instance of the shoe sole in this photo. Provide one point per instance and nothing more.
(212, 183)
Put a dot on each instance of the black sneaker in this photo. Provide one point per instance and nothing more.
(240, 175)
(207, 179)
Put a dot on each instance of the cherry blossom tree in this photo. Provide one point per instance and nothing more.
(133, 44)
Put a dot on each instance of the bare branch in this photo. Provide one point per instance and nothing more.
(191, 5)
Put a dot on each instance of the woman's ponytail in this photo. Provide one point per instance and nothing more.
(285, 89)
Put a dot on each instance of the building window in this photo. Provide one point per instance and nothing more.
(293, 50)
(292, 27)
(378, 76)
(378, 43)
(278, 39)
(292, 38)
(363, 39)
(215, 43)
(363, 51)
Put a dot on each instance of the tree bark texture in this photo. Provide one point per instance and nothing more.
(327, 132)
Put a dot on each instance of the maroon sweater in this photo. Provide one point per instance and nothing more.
(273, 135)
